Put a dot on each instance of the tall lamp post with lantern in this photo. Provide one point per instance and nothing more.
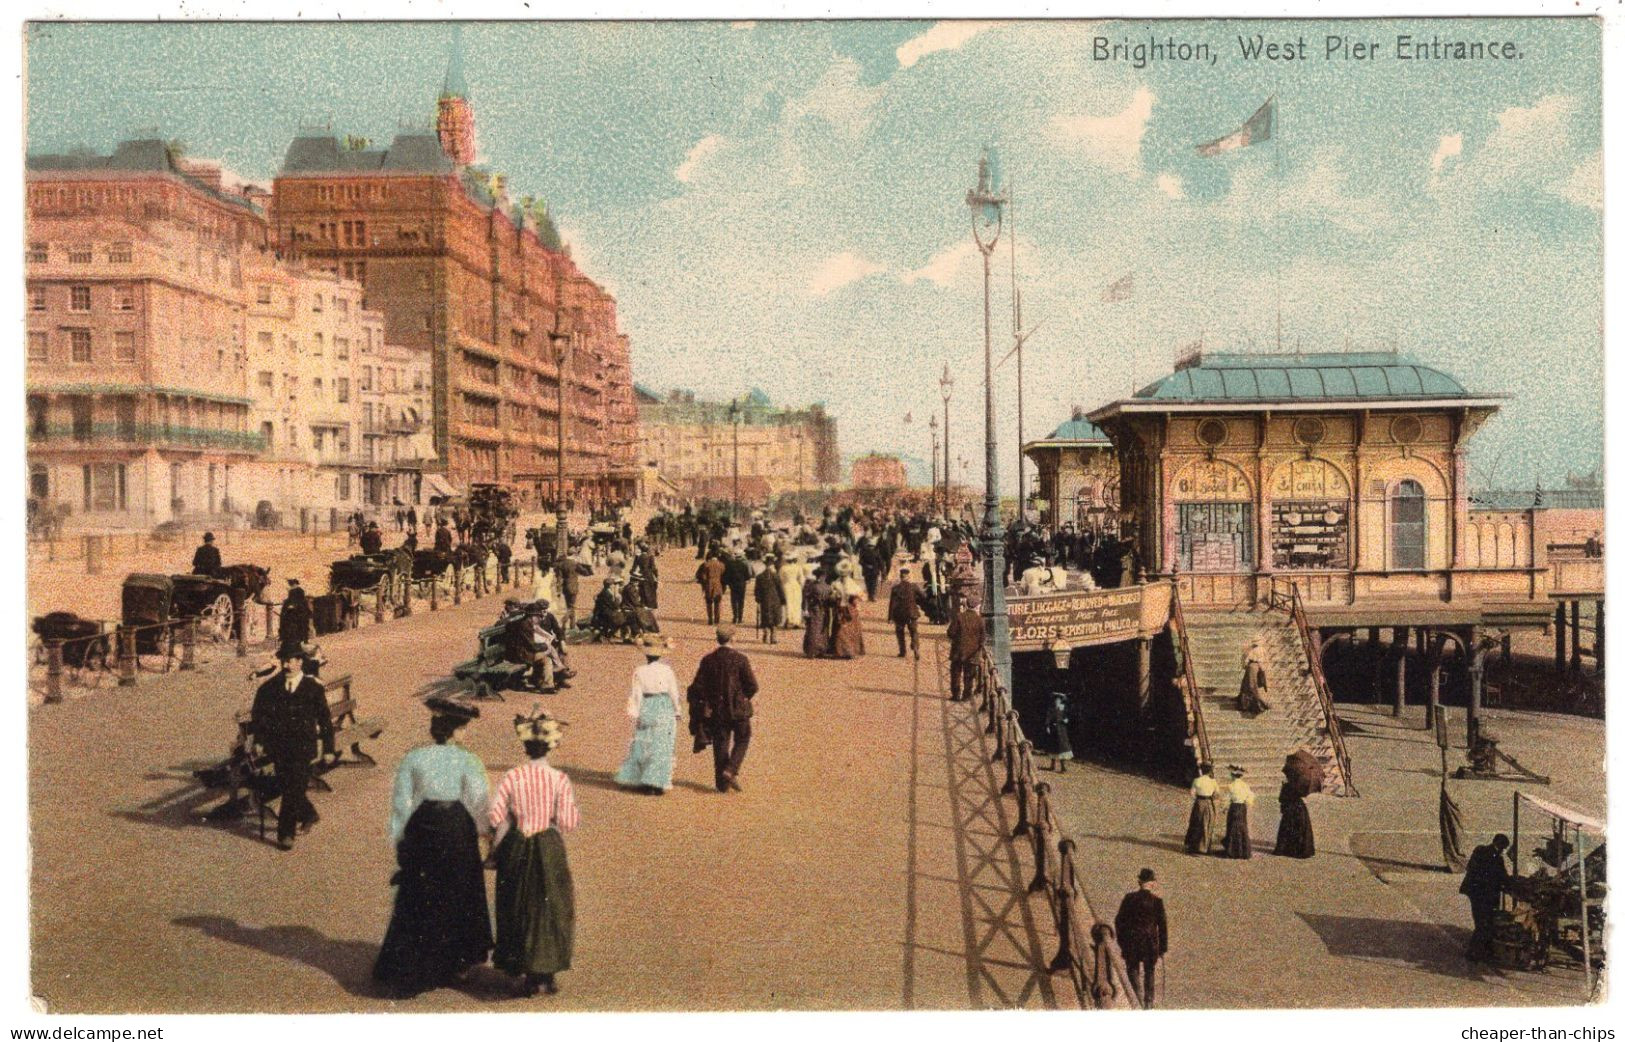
(946, 385)
(987, 221)
(933, 462)
(561, 337)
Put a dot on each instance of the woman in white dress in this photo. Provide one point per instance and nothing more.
(793, 574)
(654, 709)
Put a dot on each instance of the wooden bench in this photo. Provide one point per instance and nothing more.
(250, 777)
(490, 671)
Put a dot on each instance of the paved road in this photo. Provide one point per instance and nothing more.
(862, 868)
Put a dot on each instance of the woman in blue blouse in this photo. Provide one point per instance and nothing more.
(441, 926)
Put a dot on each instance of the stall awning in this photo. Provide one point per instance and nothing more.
(437, 485)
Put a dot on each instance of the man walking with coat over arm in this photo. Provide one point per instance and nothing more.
(720, 707)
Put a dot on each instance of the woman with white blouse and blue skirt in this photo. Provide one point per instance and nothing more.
(654, 709)
(440, 927)
(534, 804)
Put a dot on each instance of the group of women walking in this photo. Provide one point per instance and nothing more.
(1294, 838)
(441, 927)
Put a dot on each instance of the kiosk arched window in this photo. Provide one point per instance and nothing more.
(1407, 526)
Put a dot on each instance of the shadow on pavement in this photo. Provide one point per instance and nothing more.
(349, 963)
(592, 779)
(1425, 946)
(1173, 845)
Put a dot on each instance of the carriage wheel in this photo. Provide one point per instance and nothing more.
(216, 619)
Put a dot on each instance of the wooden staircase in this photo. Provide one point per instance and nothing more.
(1217, 642)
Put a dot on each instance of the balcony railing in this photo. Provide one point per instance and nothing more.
(107, 434)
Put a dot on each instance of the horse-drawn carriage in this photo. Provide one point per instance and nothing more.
(497, 507)
(84, 643)
(150, 602)
(382, 576)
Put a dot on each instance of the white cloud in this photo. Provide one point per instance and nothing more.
(1584, 186)
(1113, 141)
(945, 266)
(702, 148)
(840, 99)
(1449, 148)
(943, 36)
(1171, 185)
(843, 269)
(1529, 146)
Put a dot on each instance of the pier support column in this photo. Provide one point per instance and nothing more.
(1562, 619)
(1574, 637)
(1402, 639)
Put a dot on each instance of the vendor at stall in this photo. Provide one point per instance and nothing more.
(1485, 879)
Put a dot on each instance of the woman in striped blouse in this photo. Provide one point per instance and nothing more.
(535, 898)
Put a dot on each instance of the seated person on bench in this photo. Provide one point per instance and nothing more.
(608, 613)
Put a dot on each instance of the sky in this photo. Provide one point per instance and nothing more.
(781, 204)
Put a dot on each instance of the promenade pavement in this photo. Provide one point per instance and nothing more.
(863, 867)
(1373, 920)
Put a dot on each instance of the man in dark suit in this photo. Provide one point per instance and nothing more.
(1142, 935)
(904, 612)
(442, 537)
(206, 560)
(709, 576)
(1485, 879)
(736, 576)
(870, 564)
(966, 637)
(372, 540)
(290, 714)
(720, 707)
(295, 617)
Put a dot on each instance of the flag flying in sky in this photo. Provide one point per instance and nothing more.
(1256, 130)
(1122, 289)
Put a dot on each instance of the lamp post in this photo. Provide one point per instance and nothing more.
(986, 222)
(801, 441)
(933, 462)
(561, 534)
(733, 416)
(946, 384)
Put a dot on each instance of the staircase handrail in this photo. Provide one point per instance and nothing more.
(1088, 946)
(1195, 718)
(1311, 651)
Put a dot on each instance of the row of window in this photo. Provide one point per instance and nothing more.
(372, 191)
(119, 297)
(1218, 537)
(81, 346)
(81, 253)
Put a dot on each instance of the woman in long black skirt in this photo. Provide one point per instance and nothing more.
(1238, 840)
(441, 926)
(534, 804)
(1296, 836)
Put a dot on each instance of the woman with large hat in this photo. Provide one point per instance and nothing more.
(654, 709)
(440, 927)
(533, 805)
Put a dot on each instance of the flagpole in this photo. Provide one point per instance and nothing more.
(1276, 134)
(1015, 332)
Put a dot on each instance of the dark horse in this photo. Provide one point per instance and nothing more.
(247, 582)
